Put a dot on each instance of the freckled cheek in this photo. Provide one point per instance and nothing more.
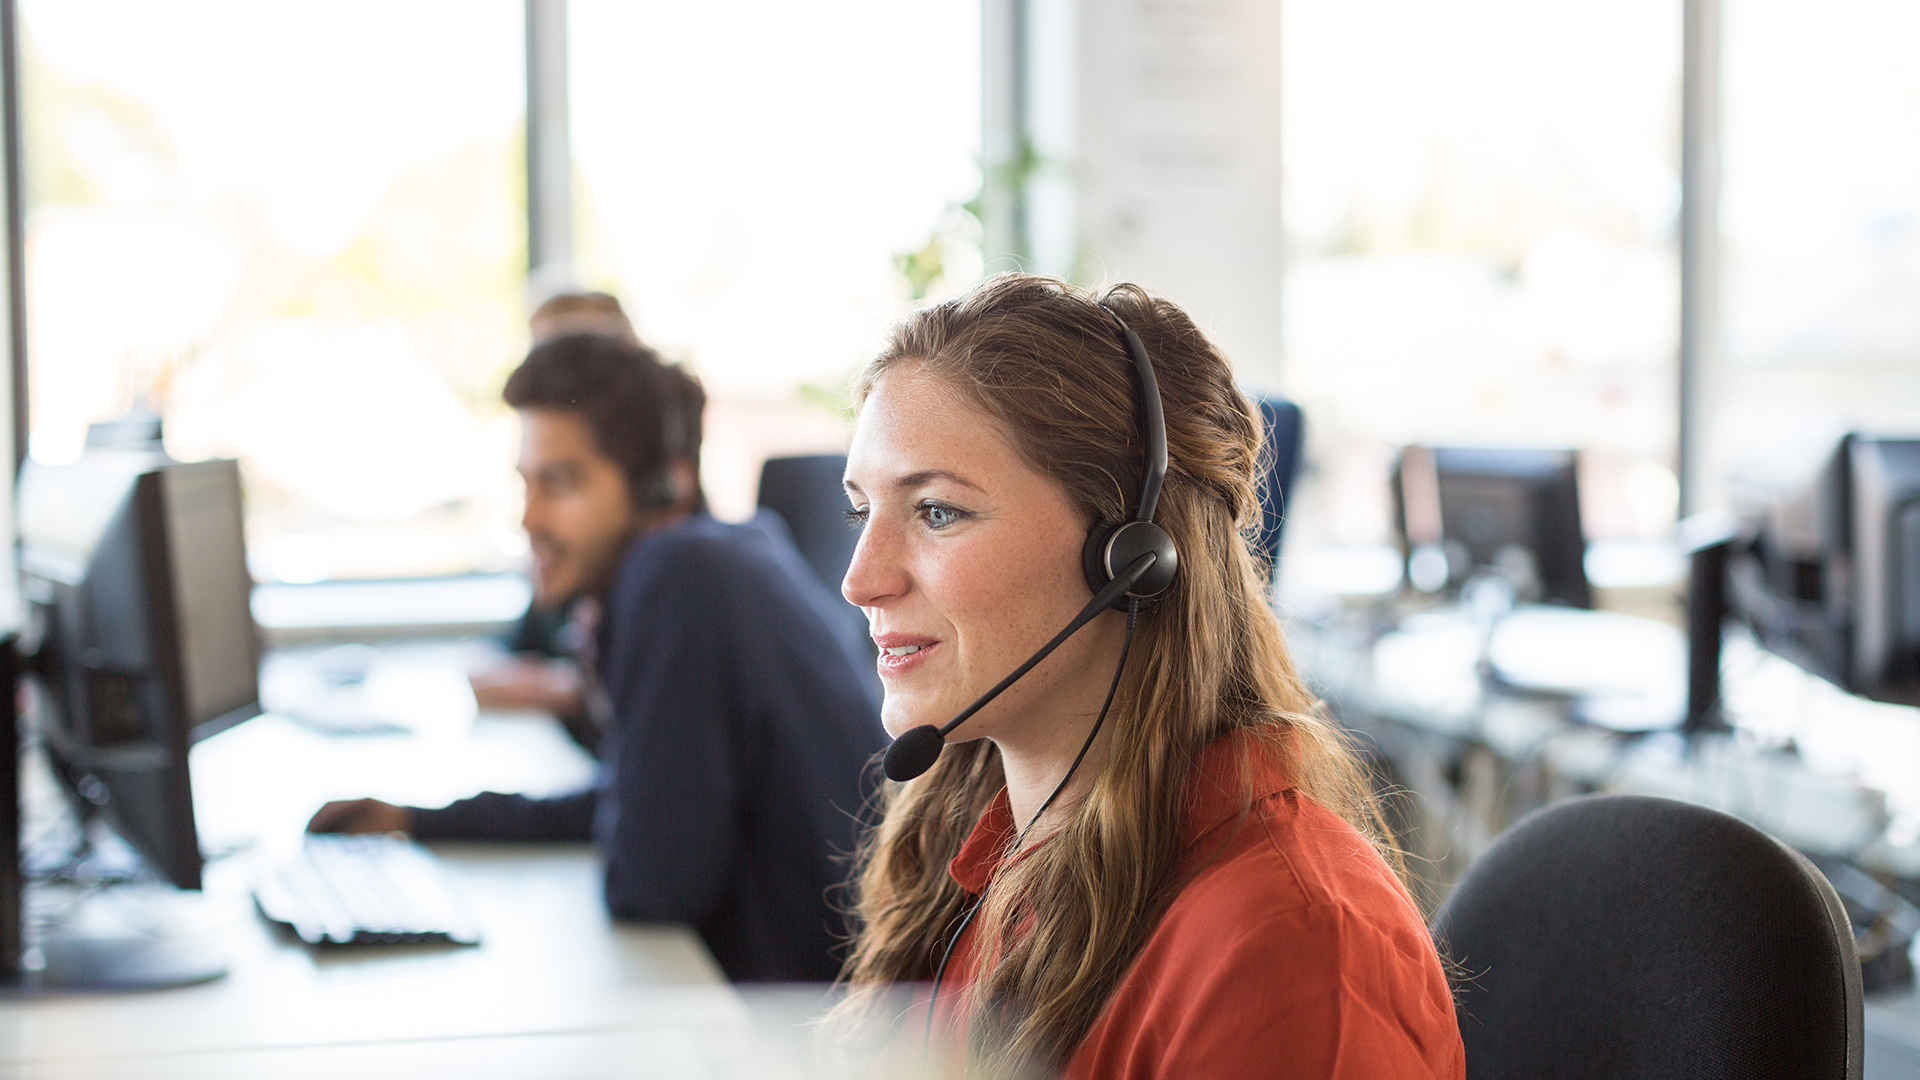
(964, 587)
(998, 609)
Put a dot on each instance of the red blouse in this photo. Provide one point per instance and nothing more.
(1294, 952)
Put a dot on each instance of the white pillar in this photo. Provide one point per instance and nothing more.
(549, 151)
(1176, 173)
(1699, 250)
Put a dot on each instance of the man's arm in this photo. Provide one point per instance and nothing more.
(487, 816)
(493, 816)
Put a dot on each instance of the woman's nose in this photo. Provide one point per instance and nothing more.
(875, 574)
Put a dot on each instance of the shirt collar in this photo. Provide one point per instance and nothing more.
(1218, 793)
(986, 847)
(1233, 772)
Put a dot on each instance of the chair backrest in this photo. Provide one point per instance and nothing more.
(1284, 430)
(806, 492)
(1627, 936)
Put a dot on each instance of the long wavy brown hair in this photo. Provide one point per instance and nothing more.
(1062, 926)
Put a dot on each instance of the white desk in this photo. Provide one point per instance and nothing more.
(552, 981)
(555, 989)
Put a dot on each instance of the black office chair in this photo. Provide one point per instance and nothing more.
(806, 493)
(1622, 936)
(1284, 430)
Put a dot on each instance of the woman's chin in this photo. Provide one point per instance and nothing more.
(897, 726)
(899, 716)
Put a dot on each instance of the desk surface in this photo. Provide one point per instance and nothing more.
(551, 969)
(555, 989)
(1846, 778)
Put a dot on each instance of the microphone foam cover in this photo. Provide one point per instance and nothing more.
(914, 753)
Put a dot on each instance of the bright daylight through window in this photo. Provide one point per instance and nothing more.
(1821, 229)
(1481, 211)
(323, 275)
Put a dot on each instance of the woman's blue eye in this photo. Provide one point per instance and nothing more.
(856, 518)
(938, 516)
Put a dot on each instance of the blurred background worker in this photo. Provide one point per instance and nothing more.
(736, 716)
(541, 672)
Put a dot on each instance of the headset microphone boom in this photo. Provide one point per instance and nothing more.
(915, 751)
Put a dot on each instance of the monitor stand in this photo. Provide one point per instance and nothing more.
(67, 963)
(72, 961)
(1709, 544)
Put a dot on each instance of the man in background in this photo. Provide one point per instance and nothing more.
(541, 673)
(738, 719)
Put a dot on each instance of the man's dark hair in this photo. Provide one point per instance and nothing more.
(643, 413)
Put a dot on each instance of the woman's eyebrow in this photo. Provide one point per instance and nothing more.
(919, 479)
(924, 476)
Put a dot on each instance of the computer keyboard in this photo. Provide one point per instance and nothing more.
(367, 889)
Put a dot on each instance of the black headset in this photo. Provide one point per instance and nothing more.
(1111, 549)
(1127, 564)
(662, 489)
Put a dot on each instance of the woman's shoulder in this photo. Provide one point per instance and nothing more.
(1292, 868)
(1295, 939)
(1260, 850)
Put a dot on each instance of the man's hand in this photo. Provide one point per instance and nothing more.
(361, 816)
(551, 686)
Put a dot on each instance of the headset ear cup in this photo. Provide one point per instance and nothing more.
(1093, 557)
(1132, 540)
(1135, 538)
(659, 491)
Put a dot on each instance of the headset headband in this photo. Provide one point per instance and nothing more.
(1153, 421)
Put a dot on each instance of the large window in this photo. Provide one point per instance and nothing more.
(754, 176)
(1481, 200)
(1820, 225)
(299, 233)
(295, 231)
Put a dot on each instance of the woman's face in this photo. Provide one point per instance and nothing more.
(968, 562)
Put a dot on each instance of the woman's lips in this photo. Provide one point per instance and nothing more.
(899, 655)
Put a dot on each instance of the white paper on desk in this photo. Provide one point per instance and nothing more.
(1431, 664)
(1569, 651)
(427, 695)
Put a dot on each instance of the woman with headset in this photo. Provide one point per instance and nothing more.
(1142, 851)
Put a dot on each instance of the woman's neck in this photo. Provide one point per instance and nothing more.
(1038, 748)
(1035, 766)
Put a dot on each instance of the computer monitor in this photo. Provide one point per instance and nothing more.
(1788, 572)
(1827, 568)
(141, 634)
(1885, 483)
(1510, 511)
